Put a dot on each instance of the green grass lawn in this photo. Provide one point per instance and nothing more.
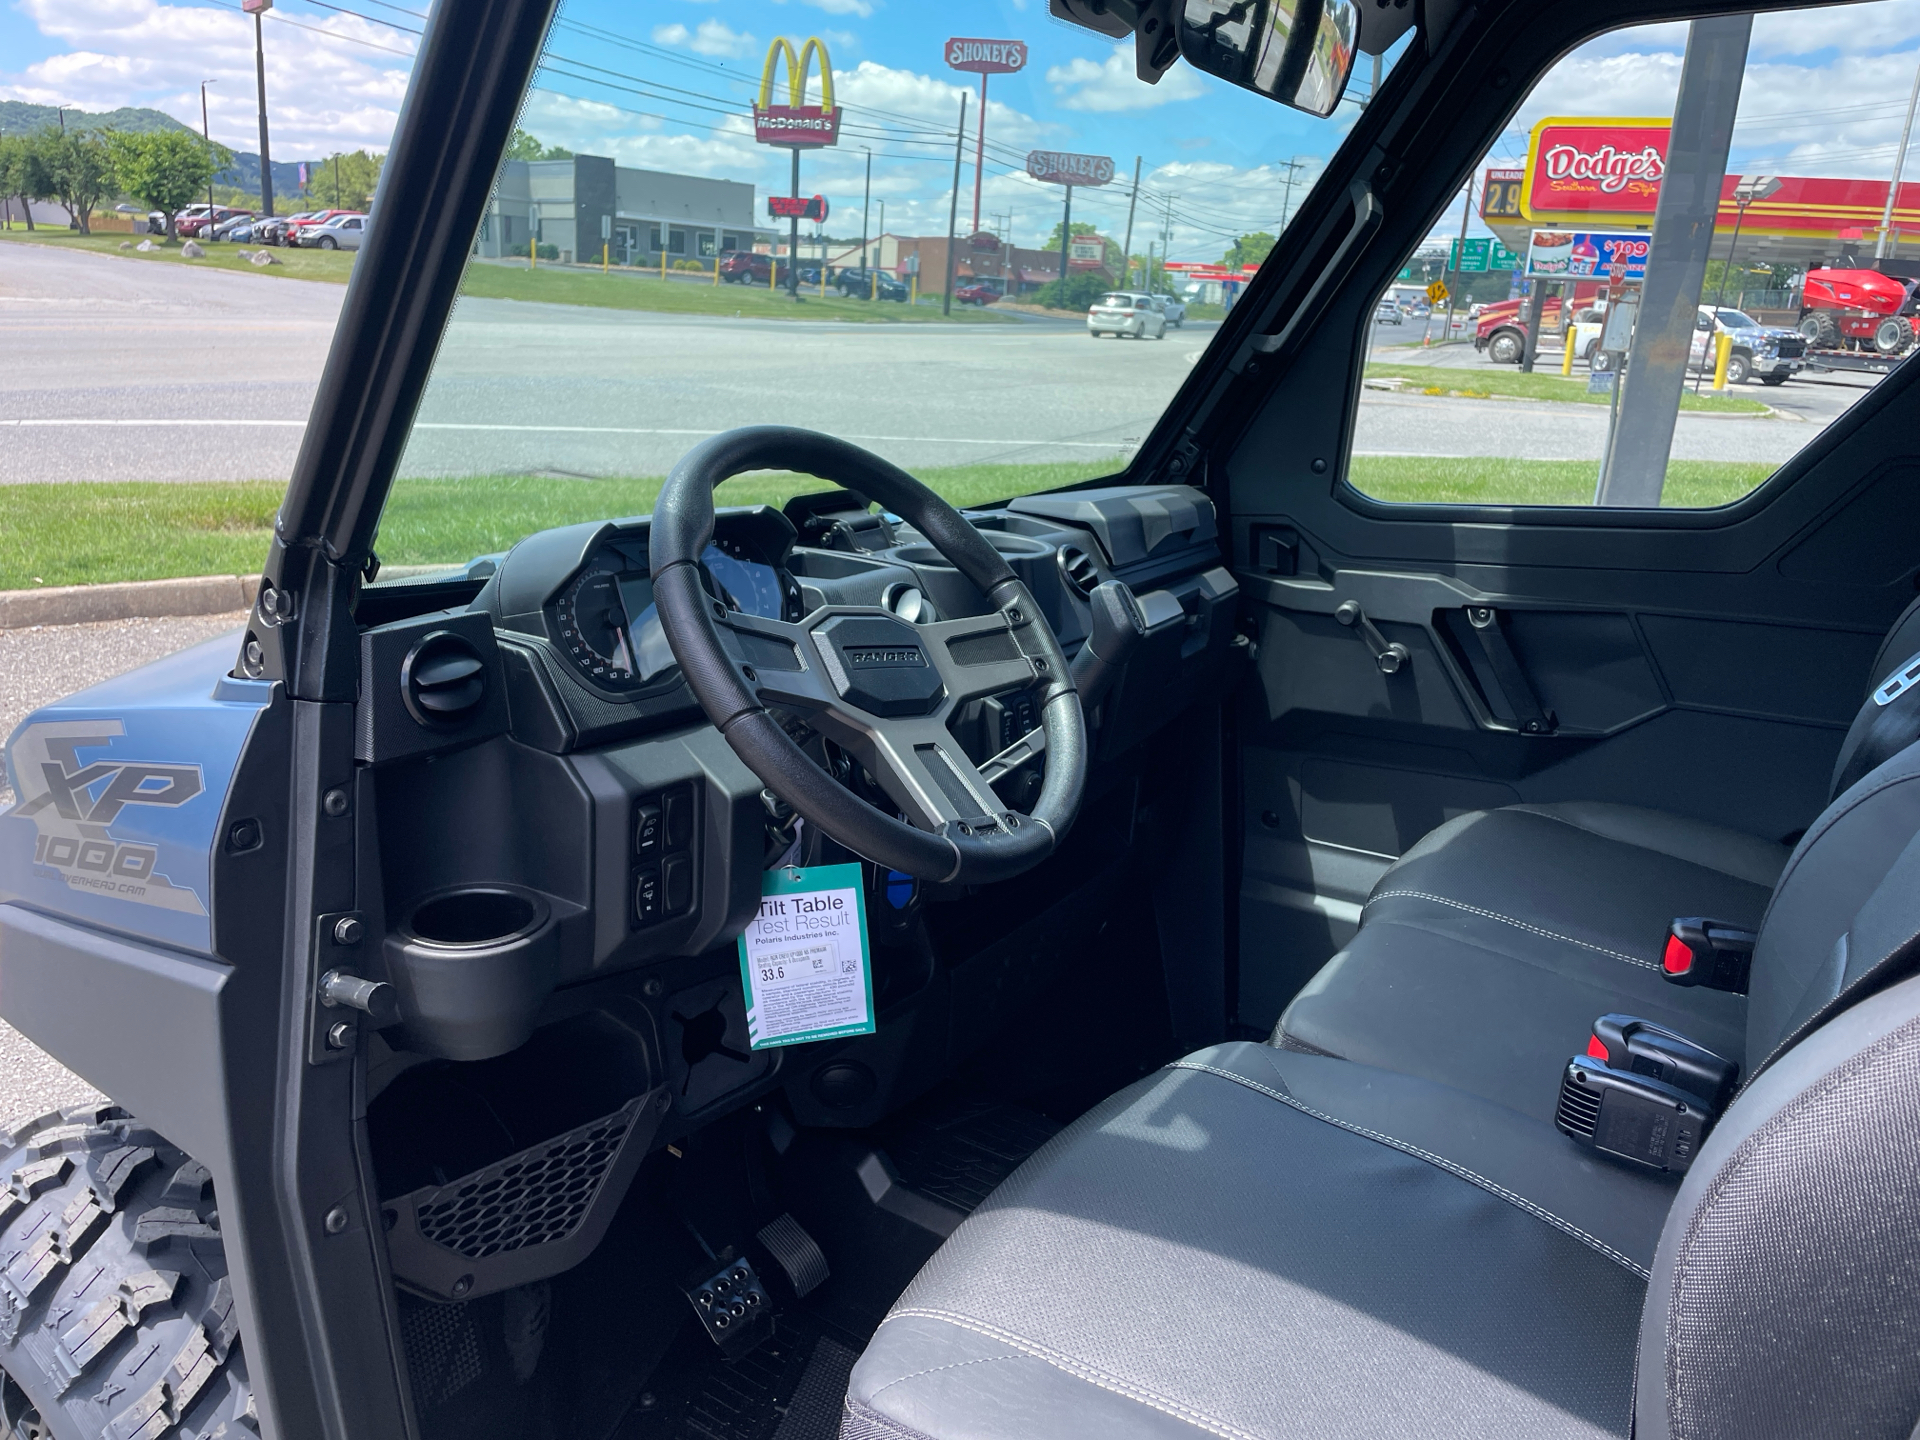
(84, 534)
(644, 290)
(1476, 383)
(1412, 479)
(333, 265)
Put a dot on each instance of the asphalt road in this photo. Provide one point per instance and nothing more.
(37, 666)
(139, 370)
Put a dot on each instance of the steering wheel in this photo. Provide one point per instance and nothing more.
(879, 687)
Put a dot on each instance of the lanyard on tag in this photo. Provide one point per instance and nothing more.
(804, 959)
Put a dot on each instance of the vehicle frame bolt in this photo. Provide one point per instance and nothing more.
(340, 1035)
(347, 930)
(336, 1220)
(334, 802)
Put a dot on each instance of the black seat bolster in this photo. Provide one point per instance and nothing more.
(1241, 1246)
(1780, 1303)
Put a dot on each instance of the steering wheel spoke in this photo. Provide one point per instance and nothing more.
(928, 775)
(989, 654)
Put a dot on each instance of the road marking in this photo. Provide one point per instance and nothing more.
(1106, 445)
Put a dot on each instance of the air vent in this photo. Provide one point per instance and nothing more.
(443, 679)
(1078, 569)
(1579, 1112)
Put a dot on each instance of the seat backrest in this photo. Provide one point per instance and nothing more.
(1785, 1298)
(1889, 718)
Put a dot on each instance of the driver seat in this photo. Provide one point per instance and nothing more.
(1256, 1243)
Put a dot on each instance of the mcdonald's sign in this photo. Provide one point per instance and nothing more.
(796, 124)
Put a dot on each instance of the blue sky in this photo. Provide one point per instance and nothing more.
(1826, 93)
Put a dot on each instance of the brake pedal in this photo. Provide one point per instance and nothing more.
(797, 1254)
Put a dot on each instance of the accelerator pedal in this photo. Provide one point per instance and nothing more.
(797, 1254)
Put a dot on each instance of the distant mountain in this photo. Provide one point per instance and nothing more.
(19, 118)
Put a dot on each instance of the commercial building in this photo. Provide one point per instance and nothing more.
(1009, 269)
(581, 203)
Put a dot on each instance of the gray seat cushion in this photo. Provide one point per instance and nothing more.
(1257, 1244)
(1486, 952)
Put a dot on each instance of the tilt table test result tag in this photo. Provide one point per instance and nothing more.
(804, 958)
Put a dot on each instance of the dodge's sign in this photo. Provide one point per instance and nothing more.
(987, 57)
(1060, 167)
(1577, 168)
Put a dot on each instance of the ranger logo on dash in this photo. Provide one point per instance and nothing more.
(874, 657)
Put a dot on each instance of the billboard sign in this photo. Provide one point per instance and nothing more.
(1588, 255)
(1061, 167)
(797, 207)
(796, 124)
(987, 57)
(1580, 168)
(1086, 252)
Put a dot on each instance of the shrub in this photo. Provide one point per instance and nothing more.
(547, 252)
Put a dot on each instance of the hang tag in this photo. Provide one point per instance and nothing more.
(804, 958)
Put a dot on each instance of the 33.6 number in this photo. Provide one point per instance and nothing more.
(773, 972)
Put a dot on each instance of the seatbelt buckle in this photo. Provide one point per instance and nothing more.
(1709, 953)
(1643, 1093)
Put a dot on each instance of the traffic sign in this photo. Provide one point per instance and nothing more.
(1437, 292)
(1503, 258)
(1469, 257)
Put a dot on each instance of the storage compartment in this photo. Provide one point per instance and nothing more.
(473, 965)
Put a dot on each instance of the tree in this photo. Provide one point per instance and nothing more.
(81, 169)
(165, 169)
(23, 172)
(527, 147)
(343, 182)
(1249, 250)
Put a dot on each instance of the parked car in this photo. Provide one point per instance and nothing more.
(1387, 312)
(976, 294)
(297, 231)
(750, 267)
(1767, 353)
(1121, 313)
(239, 229)
(272, 229)
(859, 282)
(342, 232)
(1174, 308)
(195, 224)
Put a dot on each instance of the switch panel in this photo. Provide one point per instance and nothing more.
(665, 856)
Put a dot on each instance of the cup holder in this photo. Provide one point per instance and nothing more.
(472, 966)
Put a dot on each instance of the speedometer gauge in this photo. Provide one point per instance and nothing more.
(593, 628)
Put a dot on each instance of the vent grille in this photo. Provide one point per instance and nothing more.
(443, 679)
(1579, 1112)
(1078, 568)
(535, 1198)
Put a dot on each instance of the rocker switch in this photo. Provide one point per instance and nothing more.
(679, 819)
(649, 830)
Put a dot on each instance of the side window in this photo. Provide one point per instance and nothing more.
(1608, 317)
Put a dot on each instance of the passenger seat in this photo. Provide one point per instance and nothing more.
(1485, 953)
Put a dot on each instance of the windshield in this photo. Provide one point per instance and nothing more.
(1737, 320)
(943, 326)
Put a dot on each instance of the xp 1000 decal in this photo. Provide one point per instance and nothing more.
(73, 793)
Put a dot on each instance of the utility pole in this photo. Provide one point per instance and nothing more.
(1460, 258)
(1286, 200)
(953, 204)
(1884, 245)
(206, 134)
(866, 205)
(63, 112)
(1126, 249)
(793, 235)
(257, 8)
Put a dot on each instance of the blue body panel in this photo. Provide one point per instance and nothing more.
(118, 793)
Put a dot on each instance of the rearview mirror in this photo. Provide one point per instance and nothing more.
(1299, 52)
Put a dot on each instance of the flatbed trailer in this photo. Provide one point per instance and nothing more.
(1866, 362)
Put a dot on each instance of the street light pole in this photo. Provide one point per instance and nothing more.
(866, 206)
(257, 8)
(1884, 245)
(206, 134)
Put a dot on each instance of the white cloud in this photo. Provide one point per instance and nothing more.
(710, 37)
(1113, 84)
(862, 8)
(325, 92)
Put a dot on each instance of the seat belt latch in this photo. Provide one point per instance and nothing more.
(1643, 1094)
(1709, 953)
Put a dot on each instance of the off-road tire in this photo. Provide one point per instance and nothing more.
(116, 1314)
(1893, 335)
(1821, 329)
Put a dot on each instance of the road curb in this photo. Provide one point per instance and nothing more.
(137, 599)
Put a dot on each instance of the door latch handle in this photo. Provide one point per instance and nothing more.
(1390, 655)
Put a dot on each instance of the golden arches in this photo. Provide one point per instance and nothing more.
(797, 67)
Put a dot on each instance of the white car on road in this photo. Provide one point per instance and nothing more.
(1121, 313)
